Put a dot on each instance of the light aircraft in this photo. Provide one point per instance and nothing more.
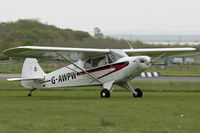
(88, 66)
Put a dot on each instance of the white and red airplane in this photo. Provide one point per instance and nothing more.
(88, 67)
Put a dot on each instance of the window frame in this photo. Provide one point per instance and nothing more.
(91, 61)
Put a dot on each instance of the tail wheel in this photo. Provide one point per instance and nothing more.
(105, 93)
(139, 93)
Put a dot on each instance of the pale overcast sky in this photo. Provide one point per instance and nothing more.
(108, 15)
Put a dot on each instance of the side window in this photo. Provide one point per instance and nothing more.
(110, 58)
(88, 64)
(99, 61)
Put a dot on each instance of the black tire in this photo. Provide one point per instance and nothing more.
(105, 93)
(139, 93)
(29, 95)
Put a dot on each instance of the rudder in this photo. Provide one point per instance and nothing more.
(31, 69)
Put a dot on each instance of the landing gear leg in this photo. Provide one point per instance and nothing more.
(29, 94)
(105, 93)
(136, 93)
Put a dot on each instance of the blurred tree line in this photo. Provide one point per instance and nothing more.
(33, 33)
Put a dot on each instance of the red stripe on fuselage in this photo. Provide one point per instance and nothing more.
(116, 67)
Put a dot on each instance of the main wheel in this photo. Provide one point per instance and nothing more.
(29, 94)
(139, 93)
(105, 93)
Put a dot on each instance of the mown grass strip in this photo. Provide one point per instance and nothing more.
(86, 112)
(146, 86)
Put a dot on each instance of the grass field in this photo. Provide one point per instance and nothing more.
(166, 107)
(85, 112)
(146, 86)
(189, 70)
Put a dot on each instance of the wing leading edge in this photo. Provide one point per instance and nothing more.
(74, 54)
(154, 52)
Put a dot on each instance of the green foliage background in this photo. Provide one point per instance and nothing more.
(33, 33)
(28, 32)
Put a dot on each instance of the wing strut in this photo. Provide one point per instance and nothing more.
(159, 57)
(78, 67)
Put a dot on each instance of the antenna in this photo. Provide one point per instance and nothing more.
(129, 44)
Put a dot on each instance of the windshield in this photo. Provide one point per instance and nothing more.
(116, 54)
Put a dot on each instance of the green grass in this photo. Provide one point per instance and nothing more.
(85, 112)
(166, 107)
(176, 73)
(179, 74)
(147, 86)
(177, 70)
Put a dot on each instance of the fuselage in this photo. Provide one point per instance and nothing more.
(122, 70)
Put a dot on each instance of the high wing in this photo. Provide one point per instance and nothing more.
(154, 52)
(74, 54)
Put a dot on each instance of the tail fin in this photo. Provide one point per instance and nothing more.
(32, 73)
(31, 69)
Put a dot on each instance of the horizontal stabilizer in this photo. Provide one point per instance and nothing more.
(25, 79)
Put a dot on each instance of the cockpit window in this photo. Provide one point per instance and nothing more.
(95, 62)
(99, 61)
(110, 58)
(88, 64)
